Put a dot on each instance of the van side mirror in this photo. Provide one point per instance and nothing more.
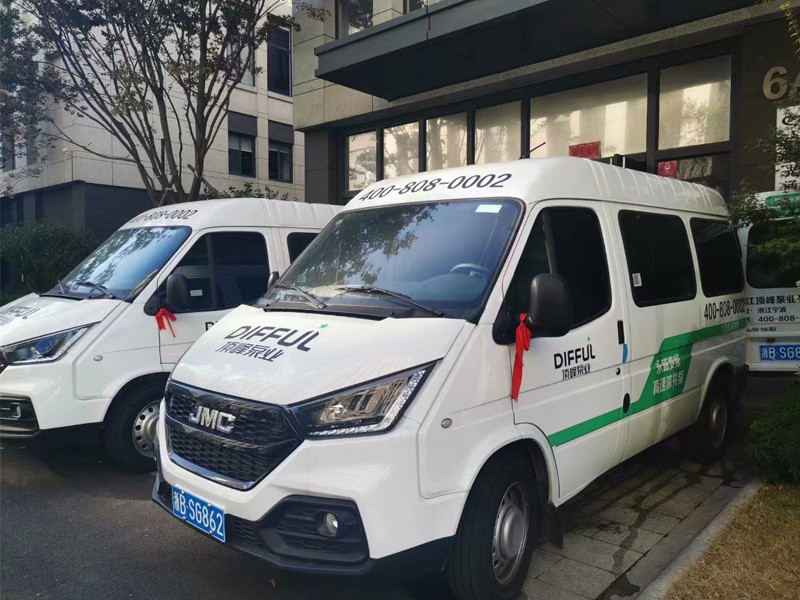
(550, 309)
(177, 296)
(273, 277)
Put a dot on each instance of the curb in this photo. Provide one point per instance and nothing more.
(676, 569)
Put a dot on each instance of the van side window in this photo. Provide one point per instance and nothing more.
(297, 242)
(567, 242)
(659, 259)
(719, 257)
(225, 270)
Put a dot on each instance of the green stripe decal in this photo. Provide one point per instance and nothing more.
(667, 378)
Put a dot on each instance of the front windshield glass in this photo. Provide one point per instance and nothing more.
(441, 255)
(125, 262)
(769, 265)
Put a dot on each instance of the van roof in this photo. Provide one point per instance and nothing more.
(237, 212)
(536, 179)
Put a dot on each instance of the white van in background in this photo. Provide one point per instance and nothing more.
(383, 433)
(97, 349)
(773, 295)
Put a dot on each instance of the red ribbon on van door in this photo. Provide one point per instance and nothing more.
(163, 318)
(523, 344)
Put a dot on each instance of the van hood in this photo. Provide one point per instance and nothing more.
(286, 357)
(33, 316)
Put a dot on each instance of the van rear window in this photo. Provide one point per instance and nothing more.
(719, 257)
(660, 265)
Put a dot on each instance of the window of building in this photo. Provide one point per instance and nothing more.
(279, 62)
(695, 103)
(767, 268)
(718, 256)
(297, 241)
(659, 259)
(711, 171)
(248, 77)
(593, 121)
(497, 133)
(552, 248)
(241, 154)
(362, 156)
(238, 274)
(401, 150)
(8, 152)
(280, 161)
(353, 16)
(446, 141)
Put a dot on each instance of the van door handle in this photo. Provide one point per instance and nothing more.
(626, 403)
(620, 332)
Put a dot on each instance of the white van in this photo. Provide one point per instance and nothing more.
(97, 349)
(773, 296)
(359, 419)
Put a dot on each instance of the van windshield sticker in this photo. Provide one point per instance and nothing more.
(460, 182)
(488, 208)
(637, 280)
(182, 214)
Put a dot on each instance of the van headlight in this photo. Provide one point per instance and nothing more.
(42, 349)
(369, 408)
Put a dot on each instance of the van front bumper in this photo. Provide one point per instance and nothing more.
(370, 483)
(35, 398)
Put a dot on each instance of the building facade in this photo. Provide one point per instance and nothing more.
(676, 87)
(257, 144)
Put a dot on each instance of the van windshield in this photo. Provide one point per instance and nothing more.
(442, 256)
(124, 263)
(768, 265)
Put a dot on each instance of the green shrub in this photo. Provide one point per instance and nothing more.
(773, 444)
(39, 253)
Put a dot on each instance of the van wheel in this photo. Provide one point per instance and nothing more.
(705, 441)
(492, 548)
(130, 426)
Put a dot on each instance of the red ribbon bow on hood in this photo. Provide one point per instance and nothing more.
(523, 344)
(163, 318)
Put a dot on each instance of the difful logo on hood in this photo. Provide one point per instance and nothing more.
(16, 312)
(284, 337)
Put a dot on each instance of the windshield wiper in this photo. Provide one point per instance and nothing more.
(316, 301)
(371, 289)
(100, 288)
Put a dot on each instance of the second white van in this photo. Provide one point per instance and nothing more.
(457, 354)
(93, 353)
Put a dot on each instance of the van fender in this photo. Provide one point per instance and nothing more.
(536, 435)
(720, 364)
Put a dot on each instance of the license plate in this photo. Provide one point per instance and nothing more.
(203, 515)
(780, 352)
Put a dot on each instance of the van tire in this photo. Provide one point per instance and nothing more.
(126, 409)
(706, 440)
(470, 571)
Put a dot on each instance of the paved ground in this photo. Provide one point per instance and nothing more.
(72, 526)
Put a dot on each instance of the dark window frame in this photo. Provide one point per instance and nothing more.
(665, 300)
(212, 268)
(648, 160)
(285, 149)
(701, 260)
(273, 47)
(239, 172)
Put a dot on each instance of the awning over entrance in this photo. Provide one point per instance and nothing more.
(453, 41)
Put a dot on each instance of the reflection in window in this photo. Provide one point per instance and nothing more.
(361, 160)
(593, 121)
(401, 150)
(710, 171)
(279, 62)
(497, 133)
(446, 141)
(353, 16)
(695, 103)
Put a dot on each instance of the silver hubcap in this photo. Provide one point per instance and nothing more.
(144, 428)
(718, 422)
(510, 533)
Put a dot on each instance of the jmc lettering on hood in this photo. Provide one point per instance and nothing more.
(283, 336)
